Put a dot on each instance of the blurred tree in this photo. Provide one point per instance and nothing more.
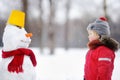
(25, 9)
(2, 25)
(105, 8)
(67, 24)
(51, 40)
(40, 21)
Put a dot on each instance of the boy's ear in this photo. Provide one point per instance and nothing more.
(102, 37)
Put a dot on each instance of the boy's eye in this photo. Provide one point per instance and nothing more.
(21, 40)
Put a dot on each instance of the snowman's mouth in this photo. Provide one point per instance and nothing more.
(25, 41)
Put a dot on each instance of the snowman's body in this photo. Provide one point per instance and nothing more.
(28, 74)
(14, 38)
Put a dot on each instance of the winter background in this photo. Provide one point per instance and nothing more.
(59, 33)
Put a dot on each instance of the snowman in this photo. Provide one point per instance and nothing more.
(18, 62)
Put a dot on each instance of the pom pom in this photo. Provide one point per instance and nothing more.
(103, 18)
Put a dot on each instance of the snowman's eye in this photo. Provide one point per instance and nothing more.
(21, 40)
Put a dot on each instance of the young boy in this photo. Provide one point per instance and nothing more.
(99, 63)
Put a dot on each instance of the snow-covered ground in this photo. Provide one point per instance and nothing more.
(66, 65)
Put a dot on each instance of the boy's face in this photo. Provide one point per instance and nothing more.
(92, 35)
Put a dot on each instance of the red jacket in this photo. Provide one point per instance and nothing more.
(99, 63)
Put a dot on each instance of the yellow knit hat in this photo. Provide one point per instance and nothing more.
(17, 18)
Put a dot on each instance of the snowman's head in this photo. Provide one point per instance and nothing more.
(15, 37)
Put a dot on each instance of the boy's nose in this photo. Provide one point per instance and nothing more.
(28, 35)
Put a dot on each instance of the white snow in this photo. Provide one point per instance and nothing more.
(66, 65)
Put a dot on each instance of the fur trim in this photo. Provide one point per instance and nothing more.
(94, 44)
(106, 41)
(110, 43)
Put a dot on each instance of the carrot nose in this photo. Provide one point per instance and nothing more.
(29, 35)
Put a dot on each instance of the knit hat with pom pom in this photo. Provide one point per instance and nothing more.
(101, 26)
